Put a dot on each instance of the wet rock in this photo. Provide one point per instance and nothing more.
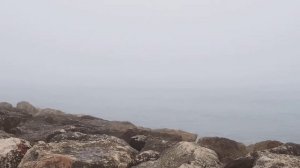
(185, 155)
(12, 151)
(263, 145)
(5, 105)
(105, 152)
(226, 149)
(146, 156)
(27, 107)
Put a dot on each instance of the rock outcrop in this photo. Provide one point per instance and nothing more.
(284, 156)
(226, 149)
(63, 140)
(103, 151)
(185, 155)
(12, 151)
(263, 146)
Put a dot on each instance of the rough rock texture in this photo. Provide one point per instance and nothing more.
(146, 156)
(11, 118)
(185, 136)
(284, 156)
(267, 159)
(47, 122)
(263, 146)
(26, 106)
(288, 149)
(4, 135)
(185, 155)
(12, 151)
(103, 152)
(159, 140)
(5, 105)
(226, 149)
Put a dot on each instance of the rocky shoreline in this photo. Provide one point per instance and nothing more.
(47, 138)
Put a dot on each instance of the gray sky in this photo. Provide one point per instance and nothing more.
(152, 43)
(213, 67)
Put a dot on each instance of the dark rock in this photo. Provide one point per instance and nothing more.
(263, 145)
(4, 135)
(10, 119)
(245, 162)
(226, 149)
(12, 151)
(105, 152)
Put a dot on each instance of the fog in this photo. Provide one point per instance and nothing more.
(213, 67)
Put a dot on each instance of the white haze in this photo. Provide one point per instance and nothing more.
(215, 67)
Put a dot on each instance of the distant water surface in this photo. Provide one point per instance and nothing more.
(244, 115)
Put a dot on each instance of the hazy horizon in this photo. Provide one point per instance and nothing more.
(225, 68)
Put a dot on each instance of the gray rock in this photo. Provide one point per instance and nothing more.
(263, 145)
(266, 159)
(146, 156)
(185, 155)
(104, 152)
(5, 105)
(226, 149)
(27, 107)
(284, 156)
(12, 151)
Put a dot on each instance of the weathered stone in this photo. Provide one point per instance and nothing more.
(226, 149)
(27, 107)
(146, 156)
(267, 159)
(284, 156)
(10, 119)
(244, 162)
(152, 140)
(263, 145)
(185, 155)
(185, 136)
(12, 151)
(105, 152)
(288, 149)
(5, 105)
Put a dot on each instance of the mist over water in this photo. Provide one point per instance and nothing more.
(244, 115)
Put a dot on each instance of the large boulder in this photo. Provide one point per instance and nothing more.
(263, 145)
(267, 159)
(27, 107)
(226, 149)
(143, 139)
(5, 105)
(11, 118)
(12, 151)
(185, 155)
(284, 156)
(185, 136)
(104, 151)
(48, 122)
